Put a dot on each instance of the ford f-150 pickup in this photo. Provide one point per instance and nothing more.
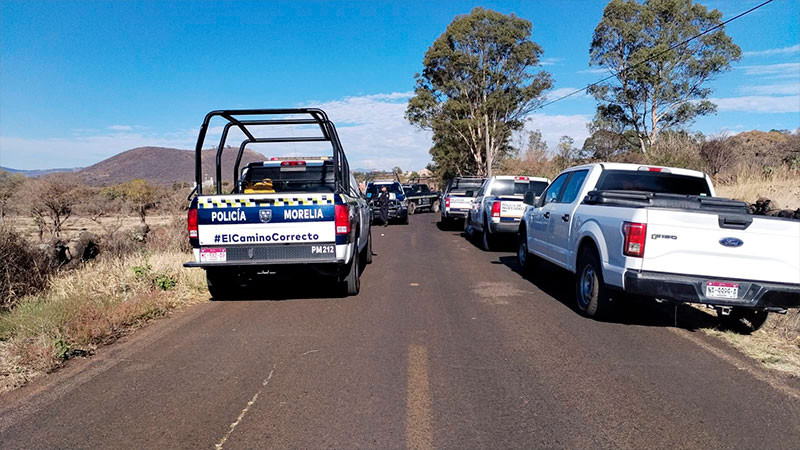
(285, 214)
(660, 232)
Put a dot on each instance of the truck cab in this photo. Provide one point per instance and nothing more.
(398, 205)
(285, 215)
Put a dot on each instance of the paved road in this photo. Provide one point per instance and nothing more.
(446, 347)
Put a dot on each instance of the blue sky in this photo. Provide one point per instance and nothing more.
(81, 81)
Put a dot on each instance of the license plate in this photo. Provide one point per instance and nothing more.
(719, 289)
(323, 249)
(213, 255)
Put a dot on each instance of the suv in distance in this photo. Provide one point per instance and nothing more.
(659, 232)
(459, 196)
(284, 214)
(398, 206)
(421, 198)
(498, 206)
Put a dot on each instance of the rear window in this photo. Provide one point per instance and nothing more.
(392, 188)
(660, 182)
(289, 179)
(462, 186)
(513, 187)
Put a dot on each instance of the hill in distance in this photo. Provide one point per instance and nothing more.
(162, 165)
(40, 172)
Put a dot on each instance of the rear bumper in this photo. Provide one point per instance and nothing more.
(504, 227)
(455, 214)
(276, 255)
(691, 289)
(394, 213)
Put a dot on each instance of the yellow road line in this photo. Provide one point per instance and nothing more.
(419, 432)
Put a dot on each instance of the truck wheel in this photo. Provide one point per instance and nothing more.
(468, 230)
(743, 320)
(411, 208)
(590, 290)
(222, 285)
(405, 219)
(435, 206)
(488, 240)
(352, 281)
(524, 258)
(367, 257)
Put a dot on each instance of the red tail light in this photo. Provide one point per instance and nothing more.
(447, 202)
(293, 163)
(635, 235)
(496, 209)
(191, 223)
(342, 219)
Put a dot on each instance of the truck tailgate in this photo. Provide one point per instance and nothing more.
(511, 208)
(460, 202)
(266, 219)
(683, 242)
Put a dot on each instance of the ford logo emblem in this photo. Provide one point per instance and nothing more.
(731, 242)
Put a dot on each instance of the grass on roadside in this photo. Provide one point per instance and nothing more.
(89, 307)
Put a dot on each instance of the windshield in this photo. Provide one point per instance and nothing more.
(516, 187)
(660, 182)
(269, 180)
(392, 188)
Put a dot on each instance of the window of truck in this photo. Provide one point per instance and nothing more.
(374, 189)
(573, 186)
(515, 187)
(555, 189)
(660, 182)
(277, 179)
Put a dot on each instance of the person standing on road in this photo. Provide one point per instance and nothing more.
(383, 202)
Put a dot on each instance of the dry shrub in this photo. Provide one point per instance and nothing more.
(95, 304)
(24, 269)
(676, 150)
(170, 238)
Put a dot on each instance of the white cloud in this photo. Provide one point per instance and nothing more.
(759, 104)
(774, 51)
(783, 70)
(598, 71)
(772, 89)
(549, 61)
(553, 127)
(372, 128)
(560, 92)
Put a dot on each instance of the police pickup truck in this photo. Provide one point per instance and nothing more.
(421, 198)
(659, 232)
(459, 196)
(285, 214)
(398, 205)
(498, 206)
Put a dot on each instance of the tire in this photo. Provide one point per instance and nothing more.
(743, 320)
(351, 284)
(468, 231)
(411, 208)
(367, 253)
(405, 219)
(591, 293)
(435, 206)
(223, 285)
(487, 241)
(524, 258)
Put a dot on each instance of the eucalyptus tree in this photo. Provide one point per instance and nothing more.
(477, 86)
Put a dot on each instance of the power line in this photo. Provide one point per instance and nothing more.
(659, 53)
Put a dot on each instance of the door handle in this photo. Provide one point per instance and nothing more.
(547, 215)
(565, 217)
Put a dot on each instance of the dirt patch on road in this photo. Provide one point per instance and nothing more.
(496, 293)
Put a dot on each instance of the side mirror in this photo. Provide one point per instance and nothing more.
(530, 198)
(539, 202)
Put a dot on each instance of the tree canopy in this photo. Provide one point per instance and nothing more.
(477, 86)
(656, 87)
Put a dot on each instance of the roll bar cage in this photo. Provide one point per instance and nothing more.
(315, 116)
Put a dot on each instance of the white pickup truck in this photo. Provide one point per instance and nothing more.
(497, 208)
(659, 232)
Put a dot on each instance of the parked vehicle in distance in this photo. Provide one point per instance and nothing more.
(284, 214)
(498, 206)
(659, 232)
(421, 198)
(398, 206)
(458, 197)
